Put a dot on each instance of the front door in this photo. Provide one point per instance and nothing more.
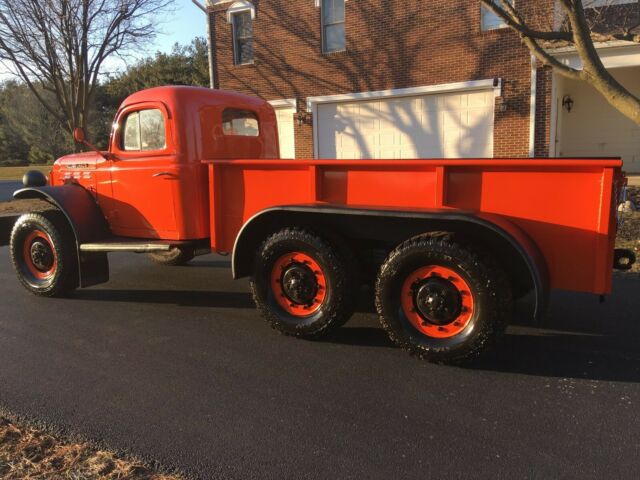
(144, 172)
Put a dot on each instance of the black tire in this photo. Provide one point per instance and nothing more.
(47, 238)
(175, 257)
(487, 317)
(340, 294)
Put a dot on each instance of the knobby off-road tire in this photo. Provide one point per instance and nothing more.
(44, 254)
(443, 301)
(302, 284)
(175, 257)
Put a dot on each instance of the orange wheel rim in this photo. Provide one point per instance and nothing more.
(437, 301)
(299, 284)
(39, 255)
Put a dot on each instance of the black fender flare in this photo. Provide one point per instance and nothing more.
(264, 222)
(86, 221)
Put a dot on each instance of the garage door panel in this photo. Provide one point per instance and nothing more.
(446, 125)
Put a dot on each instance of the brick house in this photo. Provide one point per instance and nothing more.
(415, 79)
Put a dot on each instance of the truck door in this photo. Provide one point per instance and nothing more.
(144, 172)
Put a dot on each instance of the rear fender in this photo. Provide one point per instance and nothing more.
(85, 220)
(510, 244)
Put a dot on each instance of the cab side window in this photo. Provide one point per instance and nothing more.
(144, 131)
(240, 123)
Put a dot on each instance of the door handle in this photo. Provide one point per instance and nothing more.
(163, 174)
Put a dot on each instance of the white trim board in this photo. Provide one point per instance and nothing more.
(284, 103)
(613, 55)
(533, 105)
(495, 83)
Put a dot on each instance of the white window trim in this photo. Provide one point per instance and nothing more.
(235, 9)
(241, 6)
(322, 27)
(313, 102)
(319, 3)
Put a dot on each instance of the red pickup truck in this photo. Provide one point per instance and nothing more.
(448, 244)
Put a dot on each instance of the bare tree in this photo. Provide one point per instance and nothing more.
(61, 46)
(579, 23)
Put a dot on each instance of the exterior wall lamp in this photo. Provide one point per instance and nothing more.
(304, 118)
(567, 103)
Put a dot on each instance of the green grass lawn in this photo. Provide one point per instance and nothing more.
(16, 173)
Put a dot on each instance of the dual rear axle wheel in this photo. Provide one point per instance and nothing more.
(435, 298)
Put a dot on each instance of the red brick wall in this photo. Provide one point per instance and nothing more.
(543, 111)
(390, 44)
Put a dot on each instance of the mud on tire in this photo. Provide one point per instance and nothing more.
(442, 301)
(302, 284)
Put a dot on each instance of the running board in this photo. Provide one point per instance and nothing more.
(121, 245)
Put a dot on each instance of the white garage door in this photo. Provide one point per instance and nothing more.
(452, 125)
(286, 130)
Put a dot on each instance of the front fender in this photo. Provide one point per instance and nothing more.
(86, 221)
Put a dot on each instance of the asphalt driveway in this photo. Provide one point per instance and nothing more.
(7, 188)
(176, 365)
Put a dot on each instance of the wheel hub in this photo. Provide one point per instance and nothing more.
(299, 284)
(437, 300)
(41, 255)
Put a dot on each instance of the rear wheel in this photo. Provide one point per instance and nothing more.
(174, 257)
(43, 252)
(302, 285)
(442, 301)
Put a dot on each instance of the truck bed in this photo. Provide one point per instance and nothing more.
(565, 206)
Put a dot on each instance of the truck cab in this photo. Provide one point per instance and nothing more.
(152, 182)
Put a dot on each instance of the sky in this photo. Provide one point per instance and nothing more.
(183, 24)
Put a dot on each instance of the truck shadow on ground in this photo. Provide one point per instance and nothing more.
(579, 338)
(185, 298)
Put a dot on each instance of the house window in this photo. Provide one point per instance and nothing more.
(144, 131)
(491, 21)
(333, 30)
(243, 37)
(240, 123)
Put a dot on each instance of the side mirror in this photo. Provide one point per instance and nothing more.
(78, 135)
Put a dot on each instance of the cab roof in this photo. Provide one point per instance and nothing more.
(182, 95)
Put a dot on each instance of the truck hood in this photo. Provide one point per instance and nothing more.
(79, 160)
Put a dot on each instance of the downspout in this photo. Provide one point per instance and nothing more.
(210, 40)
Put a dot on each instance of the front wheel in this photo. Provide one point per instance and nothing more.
(441, 300)
(43, 253)
(302, 284)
